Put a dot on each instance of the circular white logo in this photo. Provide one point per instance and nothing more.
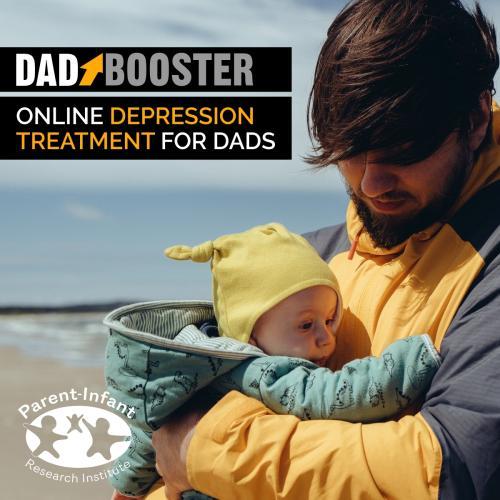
(78, 436)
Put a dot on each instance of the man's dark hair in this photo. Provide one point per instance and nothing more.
(399, 76)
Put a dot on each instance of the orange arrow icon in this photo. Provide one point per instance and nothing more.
(92, 69)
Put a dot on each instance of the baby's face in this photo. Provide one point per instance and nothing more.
(299, 326)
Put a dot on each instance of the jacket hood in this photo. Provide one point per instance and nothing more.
(485, 170)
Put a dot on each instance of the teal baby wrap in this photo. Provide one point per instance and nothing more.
(157, 358)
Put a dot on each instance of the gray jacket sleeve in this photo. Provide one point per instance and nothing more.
(463, 404)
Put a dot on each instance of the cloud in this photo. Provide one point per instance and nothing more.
(174, 23)
(301, 24)
(81, 211)
(160, 22)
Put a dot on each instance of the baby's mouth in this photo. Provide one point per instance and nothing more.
(321, 361)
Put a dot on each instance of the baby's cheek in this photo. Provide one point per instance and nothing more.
(302, 348)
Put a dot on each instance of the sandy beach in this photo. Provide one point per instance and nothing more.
(24, 380)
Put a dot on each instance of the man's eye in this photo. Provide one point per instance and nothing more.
(306, 326)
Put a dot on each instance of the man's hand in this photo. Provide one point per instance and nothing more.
(172, 440)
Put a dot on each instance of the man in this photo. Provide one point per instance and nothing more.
(402, 104)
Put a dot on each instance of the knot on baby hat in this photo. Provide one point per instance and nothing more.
(199, 253)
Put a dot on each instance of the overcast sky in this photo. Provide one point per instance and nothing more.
(300, 24)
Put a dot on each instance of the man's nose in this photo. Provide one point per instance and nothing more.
(377, 179)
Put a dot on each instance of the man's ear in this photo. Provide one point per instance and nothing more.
(479, 121)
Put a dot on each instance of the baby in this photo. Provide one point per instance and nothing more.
(273, 291)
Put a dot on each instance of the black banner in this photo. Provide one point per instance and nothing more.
(245, 128)
(146, 69)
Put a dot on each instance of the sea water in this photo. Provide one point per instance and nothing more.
(69, 248)
(76, 339)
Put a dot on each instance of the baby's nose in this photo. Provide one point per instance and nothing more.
(324, 336)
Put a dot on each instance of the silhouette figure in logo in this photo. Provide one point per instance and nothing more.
(74, 422)
(46, 435)
(102, 441)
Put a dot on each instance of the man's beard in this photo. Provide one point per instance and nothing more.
(387, 231)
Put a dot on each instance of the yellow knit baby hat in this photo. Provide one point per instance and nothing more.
(255, 270)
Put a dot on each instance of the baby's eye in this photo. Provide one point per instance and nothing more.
(330, 321)
(306, 326)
